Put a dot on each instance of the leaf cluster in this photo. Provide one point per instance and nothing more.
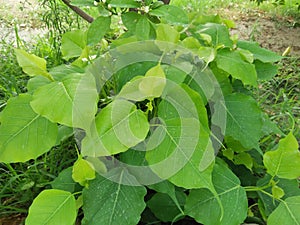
(165, 121)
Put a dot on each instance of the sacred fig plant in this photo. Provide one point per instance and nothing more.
(165, 122)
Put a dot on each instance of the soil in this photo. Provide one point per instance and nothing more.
(276, 33)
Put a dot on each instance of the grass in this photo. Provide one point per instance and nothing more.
(21, 182)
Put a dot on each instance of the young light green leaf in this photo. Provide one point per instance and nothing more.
(245, 159)
(277, 192)
(83, 172)
(72, 44)
(98, 29)
(120, 126)
(32, 64)
(52, 207)
(172, 14)
(24, 134)
(244, 120)
(72, 102)
(166, 33)
(153, 83)
(232, 63)
(107, 202)
(287, 212)
(284, 162)
(259, 53)
(203, 206)
(142, 30)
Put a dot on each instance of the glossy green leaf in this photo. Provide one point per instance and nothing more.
(64, 181)
(36, 82)
(142, 30)
(72, 102)
(183, 140)
(170, 13)
(166, 187)
(24, 134)
(107, 202)
(203, 206)
(83, 172)
(265, 71)
(287, 212)
(164, 207)
(259, 53)
(120, 126)
(124, 3)
(52, 207)
(284, 162)
(244, 120)
(232, 63)
(218, 32)
(72, 44)
(98, 29)
(32, 64)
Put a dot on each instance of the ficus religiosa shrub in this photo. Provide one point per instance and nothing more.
(160, 103)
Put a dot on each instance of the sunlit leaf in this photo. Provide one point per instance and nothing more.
(24, 134)
(52, 207)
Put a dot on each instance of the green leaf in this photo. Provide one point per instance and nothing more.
(172, 14)
(244, 120)
(165, 32)
(245, 159)
(265, 71)
(145, 87)
(24, 134)
(107, 202)
(124, 3)
(31, 64)
(287, 212)
(168, 188)
(72, 102)
(98, 29)
(284, 162)
(82, 3)
(73, 43)
(52, 207)
(183, 140)
(277, 192)
(120, 126)
(142, 30)
(83, 172)
(153, 83)
(259, 53)
(130, 20)
(164, 207)
(290, 188)
(36, 82)
(203, 206)
(64, 181)
(232, 63)
(218, 32)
